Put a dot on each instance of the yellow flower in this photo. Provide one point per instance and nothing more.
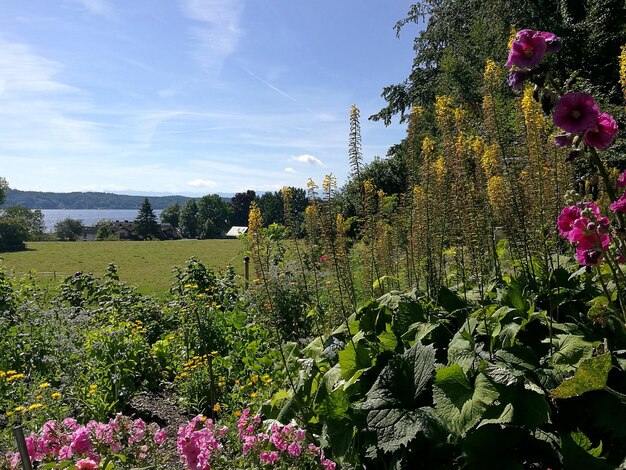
(39, 397)
(55, 395)
(203, 419)
(254, 394)
(2, 373)
(34, 406)
(217, 407)
(255, 379)
(20, 408)
(237, 414)
(44, 385)
(10, 413)
(213, 353)
(11, 372)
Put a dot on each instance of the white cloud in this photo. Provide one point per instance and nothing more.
(290, 170)
(218, 36)
(95, 7)
(200, 183)
(308, 159)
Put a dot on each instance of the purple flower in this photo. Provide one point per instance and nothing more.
(619, 206)
(527, 50)
(621, 180)
(553, 42)
(516, 78)
(589, 257)
(566, 220)
(563, 140)
(601, 135)
(576, 112)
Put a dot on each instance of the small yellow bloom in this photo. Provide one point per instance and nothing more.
(254, 394)
(39, 397)
(237, 414)
(2, 373)
(203, 419)
(55, 395)
(93, 387)
(217, 407)
(255, 379)
(11, 372)
(20, 408)
(44, 385)
(34, 406)
(213, 353)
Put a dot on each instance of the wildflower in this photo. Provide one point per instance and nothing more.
(566, 219)
(217, 408)
(55, 395)
(10, 413)
(619, 206)
(20, 409)
(86, 464)
(160, 436)
(621, 180)
(254, 394)
(527, 50)
(601, 134)
(34, 406)
(517, 78)
(11, 372)
(576, 112)
(237, 414)
(44, 385)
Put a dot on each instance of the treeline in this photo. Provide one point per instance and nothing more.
(85, 200)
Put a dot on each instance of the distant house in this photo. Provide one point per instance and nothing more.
(89, 234)
(124, 230)
(169, 232)
(235, 231)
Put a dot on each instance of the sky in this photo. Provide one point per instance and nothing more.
(193, 97)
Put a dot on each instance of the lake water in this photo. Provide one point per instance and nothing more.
(89, 217)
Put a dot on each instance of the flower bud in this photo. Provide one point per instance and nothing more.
(591, 226)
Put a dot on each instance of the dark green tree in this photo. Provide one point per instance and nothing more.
(171, 215)
(189, 219)
(69, 229)
(33, 220)
(271, 205)
(146, 225)
(13, 233)
(213, 216)
(4, 187)
(241, 207)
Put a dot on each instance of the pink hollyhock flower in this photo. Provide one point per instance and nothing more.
(527, 50)
(294, 449)
(589, 257)
(576, 112)
(86, 464)
(566, 219)
(553, 42)
(621, 180)
(619, 206)
(601, 135)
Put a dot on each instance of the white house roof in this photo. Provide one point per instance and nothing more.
(236, 231)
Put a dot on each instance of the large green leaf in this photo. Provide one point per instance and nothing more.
(571, 350)
(354, 357)
(458, 403)
(393, 402)
(592, 374)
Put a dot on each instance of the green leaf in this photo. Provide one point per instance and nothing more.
(571, 350)
(592, 374)
(352, 360)
(458, 403)
(461, 350)
(578, 453)
(393, 402)
(388, 340)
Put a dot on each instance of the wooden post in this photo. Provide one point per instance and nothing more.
(246, 270)
(21, 446)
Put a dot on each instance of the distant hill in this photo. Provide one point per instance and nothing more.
(87, 200)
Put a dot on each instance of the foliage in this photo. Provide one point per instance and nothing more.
(146, 226)
(240, 204)
(104, 230)
(69, 229)
(189, 219)
(171, 214)
(33, 219)
(213, 216)
(4, 187)
(13, 233)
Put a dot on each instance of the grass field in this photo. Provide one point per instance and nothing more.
(146, 265)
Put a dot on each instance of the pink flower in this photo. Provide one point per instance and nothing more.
(294, 449)
(517, 78)
(621, 180)
(601, 135)
(619, 206)
(589, 257)
(86, 464)
(576, 112)
(527, 50)
(566, 219)
(553, 42)
(160, 436)
(564, 140)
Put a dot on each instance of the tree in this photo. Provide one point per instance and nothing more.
(146, 225)
(271, 205)
(33, 220)
(189, 219)
(171, 215)
(213, 216)
(104, 230)
(69, 229)
(241, 207)
(13, 233)
(450, 53)
(4, 187)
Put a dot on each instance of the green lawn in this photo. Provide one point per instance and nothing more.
(147, 265)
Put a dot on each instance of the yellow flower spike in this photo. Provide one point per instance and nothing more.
(20, 408)
(11, 372)
(34, 406)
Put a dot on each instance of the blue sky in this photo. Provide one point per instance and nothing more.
(192, 96)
